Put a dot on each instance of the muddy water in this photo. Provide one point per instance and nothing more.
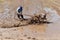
(53, 29)
(41, 32)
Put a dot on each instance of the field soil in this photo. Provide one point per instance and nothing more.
(9, 21)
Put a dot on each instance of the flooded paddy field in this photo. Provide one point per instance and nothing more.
(8, 18)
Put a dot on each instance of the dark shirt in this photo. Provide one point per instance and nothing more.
(20, 9)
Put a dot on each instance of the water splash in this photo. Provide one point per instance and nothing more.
(53, 15)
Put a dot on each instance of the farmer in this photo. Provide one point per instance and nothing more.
(19, 12)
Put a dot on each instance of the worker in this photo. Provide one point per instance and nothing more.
(19, 12)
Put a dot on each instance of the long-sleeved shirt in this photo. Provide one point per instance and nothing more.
(19, 9)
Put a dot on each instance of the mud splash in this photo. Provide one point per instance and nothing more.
(52, 14)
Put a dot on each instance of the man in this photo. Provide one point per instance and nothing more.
(19, 12)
